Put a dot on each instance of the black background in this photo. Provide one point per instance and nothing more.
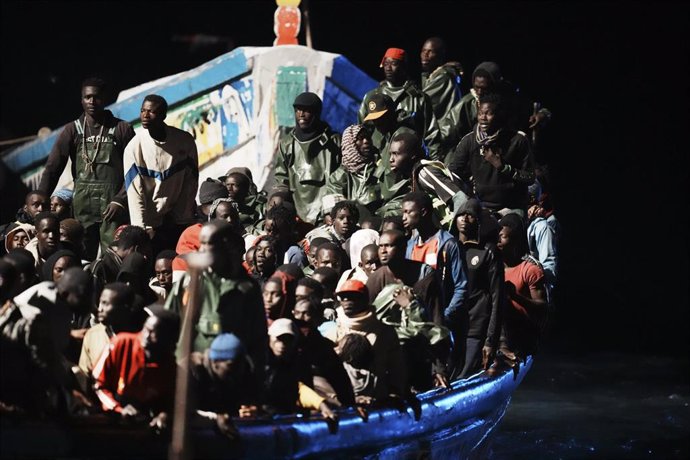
(615, 76)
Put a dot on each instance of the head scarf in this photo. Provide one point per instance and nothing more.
(14, 228)
(353, 160)
(64, 194)
(47, 269)
(358, 241)
(217, 202)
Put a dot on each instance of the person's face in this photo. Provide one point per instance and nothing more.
(164, 275)
(327, 258)
(19, 239)
(150, 338)
(394, 71)
(302, 311)
(282, 346)
(344, 223)
(303, 292)
(265, 256)
(311, 255)
(467, 224)
(400, 158)
(108, 307)
(430, 56)
(58, 207)
(388, 251)
(411, 215)
(481, 86)
(273, 299)
(222, 368)
(151, 115)
(304, 117)
(352, 303)
(92, 100)
(62, 264)
(504, 239)
(35, 203)
(235, 189)
(249, 257)
(486, 118)
(225, 211)
(370, 261)
(205, 244)
(363, 144)
(48, 235)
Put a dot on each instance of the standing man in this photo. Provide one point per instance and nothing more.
(95, 144)
(409, 102)
(161, 177)
(307, 156)
(438, 249)
(440, 80)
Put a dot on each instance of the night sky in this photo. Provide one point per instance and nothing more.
(615, 76)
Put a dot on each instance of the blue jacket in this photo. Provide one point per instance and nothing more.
(451, 274)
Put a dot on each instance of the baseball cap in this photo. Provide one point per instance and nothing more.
(282, 326)
(352, 285)
(378, 105)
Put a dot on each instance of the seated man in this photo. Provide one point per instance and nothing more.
(345, 216)
(47, 239)
(330, 255)
(114, 316)
(239, 185)
(280, 224)
(396, 268)
(357, 316)
(329, 378)
(284, 386)
(136, 376)
(495, 160)
(223, 380)
(162, 283)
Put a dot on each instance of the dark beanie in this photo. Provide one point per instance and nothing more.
(488, 70)
(471, 207)
(211, 190)
(309, 101)
(47, 269)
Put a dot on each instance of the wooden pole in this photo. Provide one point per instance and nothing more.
(307, 23)
(179, 447)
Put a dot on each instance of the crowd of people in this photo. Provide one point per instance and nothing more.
(416, 248)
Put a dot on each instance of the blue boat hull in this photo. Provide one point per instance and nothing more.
(457, 422)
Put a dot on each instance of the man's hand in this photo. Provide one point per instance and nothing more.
(327, 412)
(404, 296)
(440, 380)
(160, 422)
(78, 334)
(488, 355)
(112, 212)
(248, 411)
(536, 120)
(494, 158)
(226, 427)
(129, 411)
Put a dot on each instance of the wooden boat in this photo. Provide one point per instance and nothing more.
(467, 414)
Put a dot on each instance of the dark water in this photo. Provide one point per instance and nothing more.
(599, 406)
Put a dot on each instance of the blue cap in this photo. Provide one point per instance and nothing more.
(226, 347)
